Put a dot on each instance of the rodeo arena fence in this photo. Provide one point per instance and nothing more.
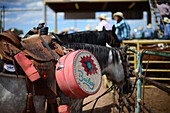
(140, 77)
(136, 98)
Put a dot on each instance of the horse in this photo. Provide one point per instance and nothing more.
(91, 37)
(108, 58)
(113, 63)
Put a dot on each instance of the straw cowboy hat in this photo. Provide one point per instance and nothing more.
(140, 28)
(149, 26)
(102, 16)
(118, 14)
(166, 20)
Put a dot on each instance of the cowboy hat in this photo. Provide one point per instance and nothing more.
(120, 14)
(149, 26)
(166, 20)
(102, 16)
(140, 28)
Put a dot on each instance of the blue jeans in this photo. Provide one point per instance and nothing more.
(161, 24)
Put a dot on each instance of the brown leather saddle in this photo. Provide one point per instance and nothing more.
(9, 42)
(44, 61)
(34, 47)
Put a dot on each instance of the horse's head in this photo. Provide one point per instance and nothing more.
(125, 63)
(111, 37)
(114, 68)
(117, 68)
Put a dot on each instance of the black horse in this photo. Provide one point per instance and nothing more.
(91, 37)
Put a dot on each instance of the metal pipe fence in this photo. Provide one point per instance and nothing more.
(139, 75)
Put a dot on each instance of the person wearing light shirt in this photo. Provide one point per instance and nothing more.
(167, 28)
(164, 10)
(122, 28)
(103, 23)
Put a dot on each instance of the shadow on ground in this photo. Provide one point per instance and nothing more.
(105, 109)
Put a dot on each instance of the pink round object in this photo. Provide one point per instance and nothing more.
(78, 74)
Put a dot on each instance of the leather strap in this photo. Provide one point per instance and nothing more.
(111, 41)
(29, 105)
(46, 45)
(13, 61)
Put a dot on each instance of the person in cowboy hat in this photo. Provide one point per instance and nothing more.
(164, 10)
(72, 30)
(103, 23)
(140, 33)
(167, 28)
(88, 27)
(122, 28)
(148, 32)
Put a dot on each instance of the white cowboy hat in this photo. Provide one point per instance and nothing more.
(149, 26)
(102, 16)
(166, 20)
(118, 14)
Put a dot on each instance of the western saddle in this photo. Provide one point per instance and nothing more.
(43, 52)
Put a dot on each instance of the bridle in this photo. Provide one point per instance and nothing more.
(112, 40)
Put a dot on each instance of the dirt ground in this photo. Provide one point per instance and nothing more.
(155, 98)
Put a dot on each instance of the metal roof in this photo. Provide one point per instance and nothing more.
(97, 5)
(48, 1)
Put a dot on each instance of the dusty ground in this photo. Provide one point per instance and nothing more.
(156, 99)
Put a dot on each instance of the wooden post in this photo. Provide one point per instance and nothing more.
(44, 13)
(149, 20)
(55, 22)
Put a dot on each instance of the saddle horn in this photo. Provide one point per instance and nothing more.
(41, 25)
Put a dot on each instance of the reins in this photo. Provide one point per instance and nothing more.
(106, 92)
(112, 39)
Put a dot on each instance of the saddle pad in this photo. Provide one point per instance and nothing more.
(27, 67)
(78, 74)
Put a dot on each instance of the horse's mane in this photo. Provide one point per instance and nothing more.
(100, 52)
(91, 37)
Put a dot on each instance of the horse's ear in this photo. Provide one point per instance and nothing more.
(113, 28)
(104, 29)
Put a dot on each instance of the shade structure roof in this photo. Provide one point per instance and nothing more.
(97, 5)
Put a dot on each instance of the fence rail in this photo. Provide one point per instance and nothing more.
(140, 76)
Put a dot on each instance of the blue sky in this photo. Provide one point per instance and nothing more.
(29, 19)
